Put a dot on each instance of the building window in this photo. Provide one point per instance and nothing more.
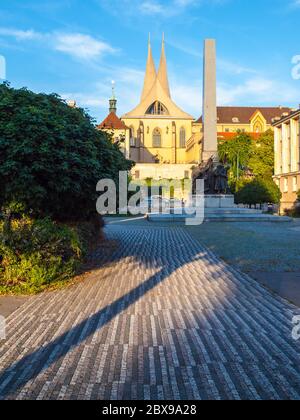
(156, 139)
(182, 138)
(137, 174)
(186, 175)
(286, 185)
(258, 128)
(227, 130)
(295, 184)
(157, 108)
(132, 136)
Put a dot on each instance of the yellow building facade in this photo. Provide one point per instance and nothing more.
(287, 157)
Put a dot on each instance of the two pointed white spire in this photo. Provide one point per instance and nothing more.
(151, 76)
(162, 74)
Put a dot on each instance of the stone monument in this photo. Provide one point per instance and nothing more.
(209, 114)
(211, 170)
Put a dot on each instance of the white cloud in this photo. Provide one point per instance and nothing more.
(185, 3)
(233, 68)
(163, 8)
(257, 91)
(152, 8)
(128, 87)
(20, 35)
(77, 45)
(85, 100)
(81, 46)
(166, 9)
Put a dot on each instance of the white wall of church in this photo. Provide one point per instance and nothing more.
(164, 171)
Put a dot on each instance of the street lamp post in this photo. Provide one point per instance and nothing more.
(237, 166)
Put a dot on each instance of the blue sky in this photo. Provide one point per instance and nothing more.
(75, 48)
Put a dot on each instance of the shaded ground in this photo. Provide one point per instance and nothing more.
(284, 284)
(164, 318)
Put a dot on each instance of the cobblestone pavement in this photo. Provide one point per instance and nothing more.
(163, 319)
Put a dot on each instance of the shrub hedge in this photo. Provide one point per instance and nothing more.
(38, 254)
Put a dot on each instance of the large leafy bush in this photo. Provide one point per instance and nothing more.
(258, 191)
(51, 156)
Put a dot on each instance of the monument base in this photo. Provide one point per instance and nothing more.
(219, 208)
(219, 201)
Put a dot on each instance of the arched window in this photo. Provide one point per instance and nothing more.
(258, 128)
(182, 138)
(131, 131)
(157, 108)
(132, 136)
(156, 138)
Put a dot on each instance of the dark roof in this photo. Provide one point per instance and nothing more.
(244, 114)
(292, 114)
(112, 122)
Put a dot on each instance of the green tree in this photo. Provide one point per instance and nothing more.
(261, 161)
(236, 152)
(51, 155)
(258, 191)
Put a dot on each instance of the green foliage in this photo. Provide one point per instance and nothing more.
(244, 153)
(294, 212)
(34, 254)
(236, 153)
(51, 156)
(261, 160)
(258, 191)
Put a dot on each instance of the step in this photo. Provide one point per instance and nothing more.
(234, 210)
(258, 217)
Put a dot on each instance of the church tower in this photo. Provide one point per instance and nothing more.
(162, 74)
(113, 100)
(150, 74)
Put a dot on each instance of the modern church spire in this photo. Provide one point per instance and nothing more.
(156, 99)
(150, 75)
(162, 74)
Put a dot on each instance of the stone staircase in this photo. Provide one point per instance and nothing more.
(219, 209)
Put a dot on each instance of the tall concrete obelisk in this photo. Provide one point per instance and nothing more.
(210, 145)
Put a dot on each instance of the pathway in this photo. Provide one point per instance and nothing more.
(163, 319)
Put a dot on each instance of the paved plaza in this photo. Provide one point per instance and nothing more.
(162, 318)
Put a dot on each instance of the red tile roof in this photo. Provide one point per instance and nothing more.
(244, 114)
(112, 122)
(230, 136)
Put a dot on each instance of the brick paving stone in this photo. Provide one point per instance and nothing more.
(162, 318)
